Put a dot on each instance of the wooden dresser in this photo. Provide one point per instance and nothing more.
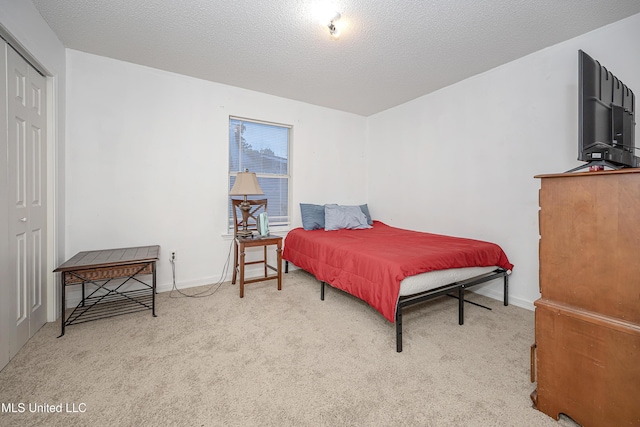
(586, 358)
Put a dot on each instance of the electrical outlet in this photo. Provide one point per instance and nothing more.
(174, 255)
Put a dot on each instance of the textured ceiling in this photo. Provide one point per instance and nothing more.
(389, 52)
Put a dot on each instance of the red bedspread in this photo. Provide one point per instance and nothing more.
(371, 263)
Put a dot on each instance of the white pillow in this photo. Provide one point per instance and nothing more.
(337, 217)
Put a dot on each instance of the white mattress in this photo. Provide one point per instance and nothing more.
(433, 279)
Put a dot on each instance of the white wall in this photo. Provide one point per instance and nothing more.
(147, 161)
(463, 159)
(147, 155)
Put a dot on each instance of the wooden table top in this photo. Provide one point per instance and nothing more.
(110, 257)
(258, 238)
(588, 173)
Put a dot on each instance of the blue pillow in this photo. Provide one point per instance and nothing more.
(338, 217)
(312, 216)
(365, 211)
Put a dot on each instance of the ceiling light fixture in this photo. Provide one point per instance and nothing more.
(333, 30)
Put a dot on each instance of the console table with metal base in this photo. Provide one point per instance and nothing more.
(101, 267)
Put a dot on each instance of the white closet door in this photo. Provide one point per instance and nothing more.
(26, 166)
(6, 320)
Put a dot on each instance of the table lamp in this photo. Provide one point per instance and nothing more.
(246, 185)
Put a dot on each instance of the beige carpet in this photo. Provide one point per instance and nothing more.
(279, 359)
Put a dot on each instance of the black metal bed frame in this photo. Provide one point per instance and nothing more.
(459, 287)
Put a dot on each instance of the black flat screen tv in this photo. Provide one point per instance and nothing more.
(606, 117)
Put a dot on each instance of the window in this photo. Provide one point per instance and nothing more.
(262, 148)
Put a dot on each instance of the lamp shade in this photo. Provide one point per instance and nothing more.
(246, 184)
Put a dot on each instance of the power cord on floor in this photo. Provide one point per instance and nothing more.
(206, 292)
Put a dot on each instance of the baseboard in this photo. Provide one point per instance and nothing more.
(167, 287)
(492, 290)
(488, 290)
(496, 293)
(74, 294)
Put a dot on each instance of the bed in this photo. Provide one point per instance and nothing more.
(392, 268)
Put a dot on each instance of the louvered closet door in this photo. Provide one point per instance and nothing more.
(26, 179)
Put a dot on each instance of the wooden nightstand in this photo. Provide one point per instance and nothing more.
(239, 246)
